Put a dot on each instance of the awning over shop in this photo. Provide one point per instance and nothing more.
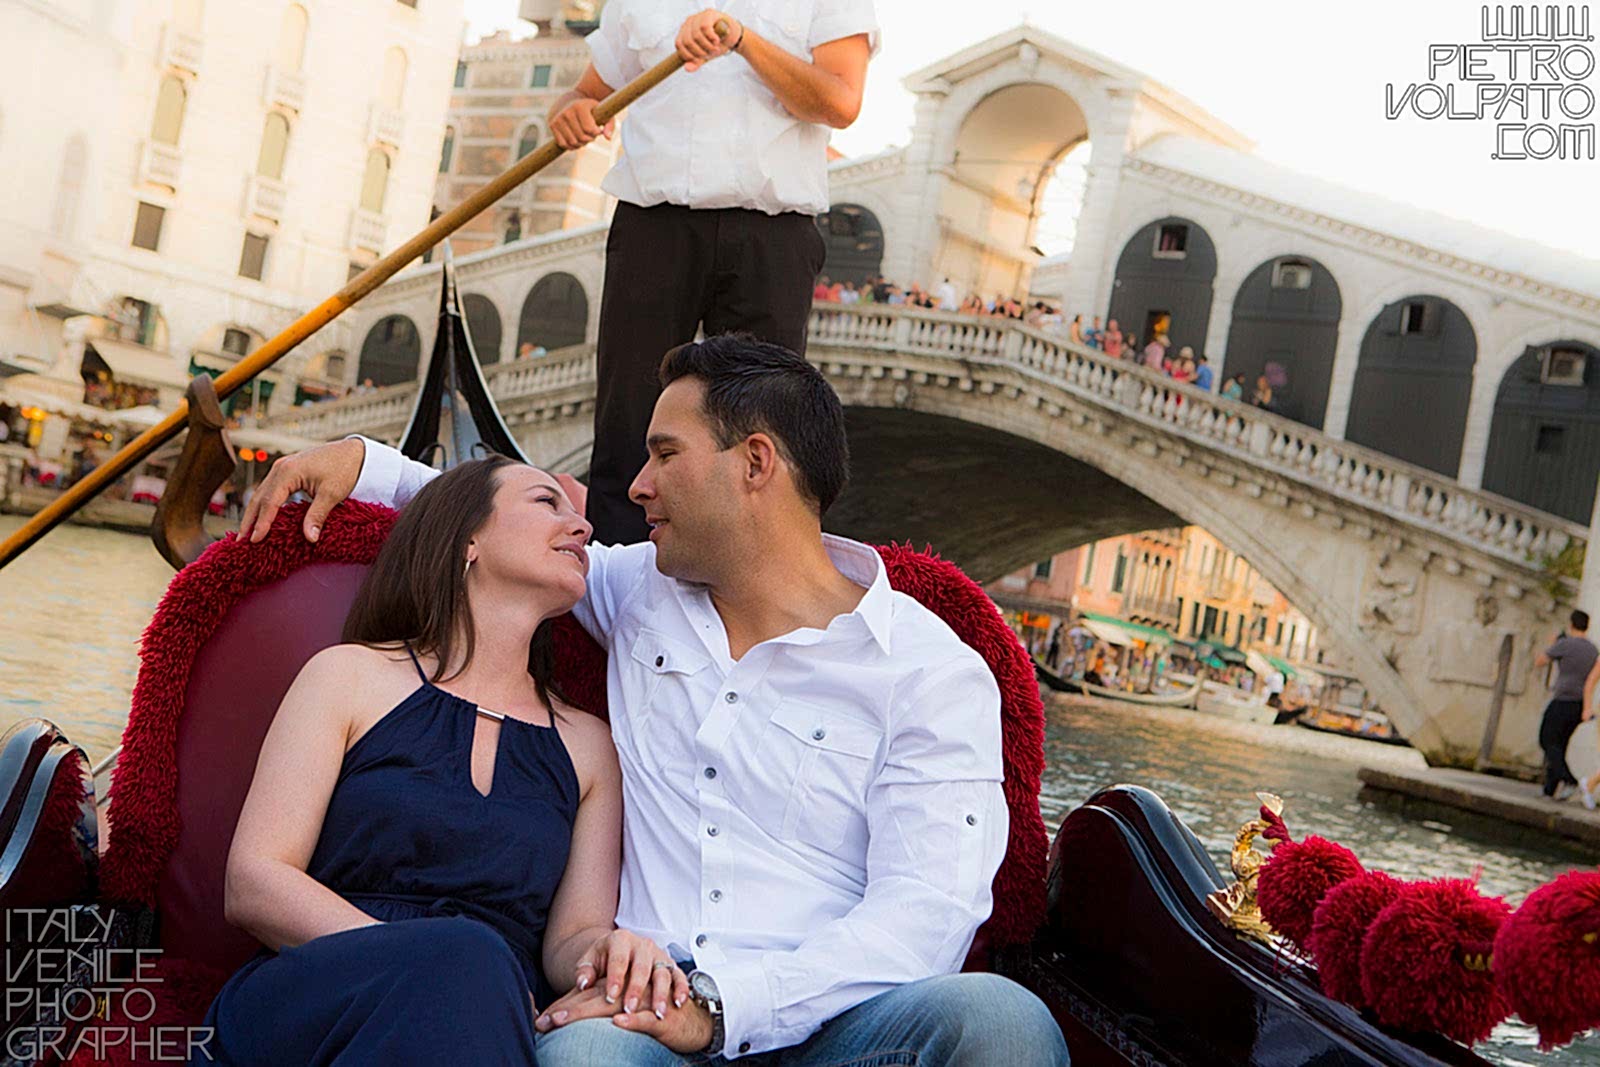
(1283, 665)
(1220, 648)
(282, 444)
(53, 396)
(1116, 631)
(138, 365)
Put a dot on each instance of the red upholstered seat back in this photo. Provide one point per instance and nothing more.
(236, 626)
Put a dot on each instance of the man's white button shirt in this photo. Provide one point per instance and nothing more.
(717, 137)
(816, 822)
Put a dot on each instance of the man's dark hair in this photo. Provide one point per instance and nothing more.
(1580, 620)
(1201, 358)
(756, 387)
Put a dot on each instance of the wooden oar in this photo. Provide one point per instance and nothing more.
(318, 317)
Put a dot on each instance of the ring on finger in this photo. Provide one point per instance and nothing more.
(661, 965)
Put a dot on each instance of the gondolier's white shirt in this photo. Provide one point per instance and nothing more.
(818, 821)
(717, 137)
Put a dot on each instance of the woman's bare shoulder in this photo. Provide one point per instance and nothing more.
(588, 741)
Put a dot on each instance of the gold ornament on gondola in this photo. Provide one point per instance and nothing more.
(1236, 905)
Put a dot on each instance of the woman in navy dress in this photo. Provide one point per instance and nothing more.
(431, 839)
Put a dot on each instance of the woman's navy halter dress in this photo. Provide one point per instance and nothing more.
(461, 882)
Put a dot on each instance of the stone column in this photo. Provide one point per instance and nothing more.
(1589, 590)
(1091, 270)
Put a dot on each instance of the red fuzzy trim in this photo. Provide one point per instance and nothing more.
(144, 814)
(1412, 961)
(1295, 878)
(1339, 925)
(1544, 968)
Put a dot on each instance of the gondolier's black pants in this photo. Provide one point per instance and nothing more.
(1561, 718)
(669, 271)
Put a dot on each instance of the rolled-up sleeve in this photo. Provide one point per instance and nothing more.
(836, 19)
(938, 824)
(614, 60)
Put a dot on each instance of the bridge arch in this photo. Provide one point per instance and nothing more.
(555, 313)
(1544, 437)
(1413, 382)
(483, 325)
(1164, 275)
(853, 236)
(391, 352)
(997, 167)
(1285, 324)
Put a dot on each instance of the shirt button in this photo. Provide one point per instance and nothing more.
(732, 698)
(818, 734)
(972, 820)
(711, 772)
(744, 1046)
(716, 895)
(700, 942)
(712, 830)
(660, 660)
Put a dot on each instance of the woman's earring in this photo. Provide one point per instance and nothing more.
(465, 569)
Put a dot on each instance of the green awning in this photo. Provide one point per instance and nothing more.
(1221, 649)
(1150, 634)
(1282, 665)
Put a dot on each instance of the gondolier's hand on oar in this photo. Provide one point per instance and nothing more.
(327, 474)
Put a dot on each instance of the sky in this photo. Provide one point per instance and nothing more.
(1306, 84)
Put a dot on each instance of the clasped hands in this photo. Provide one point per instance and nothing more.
(630, 979)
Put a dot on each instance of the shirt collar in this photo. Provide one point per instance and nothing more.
(861, 564)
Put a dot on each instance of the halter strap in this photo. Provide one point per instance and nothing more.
(415, 662)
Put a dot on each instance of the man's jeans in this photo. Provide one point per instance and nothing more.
(959, 1020)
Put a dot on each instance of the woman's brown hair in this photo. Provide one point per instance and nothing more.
(416, 592)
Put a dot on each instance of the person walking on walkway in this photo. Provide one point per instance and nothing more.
(1574, 656)
(722, 173)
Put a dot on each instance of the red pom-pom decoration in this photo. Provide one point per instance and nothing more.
(1547, 958)
(1338, 927)
(1425, 960)
(1295, 878)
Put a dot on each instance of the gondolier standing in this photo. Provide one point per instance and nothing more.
(722, 173)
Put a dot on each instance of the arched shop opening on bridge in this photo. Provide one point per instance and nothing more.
(483, 326)
(1544, 442)
(1285, 328)
(1414, 382)
(853, 238)
(391, 352)
(554, 315)
(1163, 283)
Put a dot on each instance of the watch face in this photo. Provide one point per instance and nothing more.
(703, 986)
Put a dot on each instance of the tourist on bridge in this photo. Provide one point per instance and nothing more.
(1574, 656)
(1202, 374)
(721, 175)
(1111, 341)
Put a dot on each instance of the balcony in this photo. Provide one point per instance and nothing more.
(386, 125)
(284, 88)
(160, 164)
(181, 49)
(368, 230)
(265, 197)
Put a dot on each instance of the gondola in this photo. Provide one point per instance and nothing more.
(1109, 923)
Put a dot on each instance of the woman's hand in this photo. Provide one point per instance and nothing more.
(620, 972)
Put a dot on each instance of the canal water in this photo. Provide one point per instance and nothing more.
(72, 609)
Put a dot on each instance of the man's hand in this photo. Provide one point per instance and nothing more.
(698, 41)
(574, 125)
(328, 473)
(685, 1030)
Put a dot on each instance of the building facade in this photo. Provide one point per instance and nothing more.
(189, 177)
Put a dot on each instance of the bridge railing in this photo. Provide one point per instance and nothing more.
(1363, 476)
(391, 405)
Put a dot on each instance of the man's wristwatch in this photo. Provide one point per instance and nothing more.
(703, 991)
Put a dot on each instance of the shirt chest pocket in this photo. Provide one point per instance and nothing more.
(828, 760)
(662, 703)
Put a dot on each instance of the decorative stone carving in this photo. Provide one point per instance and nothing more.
(1390, 600)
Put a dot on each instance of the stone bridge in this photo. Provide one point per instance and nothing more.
(1000, 445)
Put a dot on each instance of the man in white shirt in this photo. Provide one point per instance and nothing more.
(811, 760)
(722, 173)
(945, 294)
